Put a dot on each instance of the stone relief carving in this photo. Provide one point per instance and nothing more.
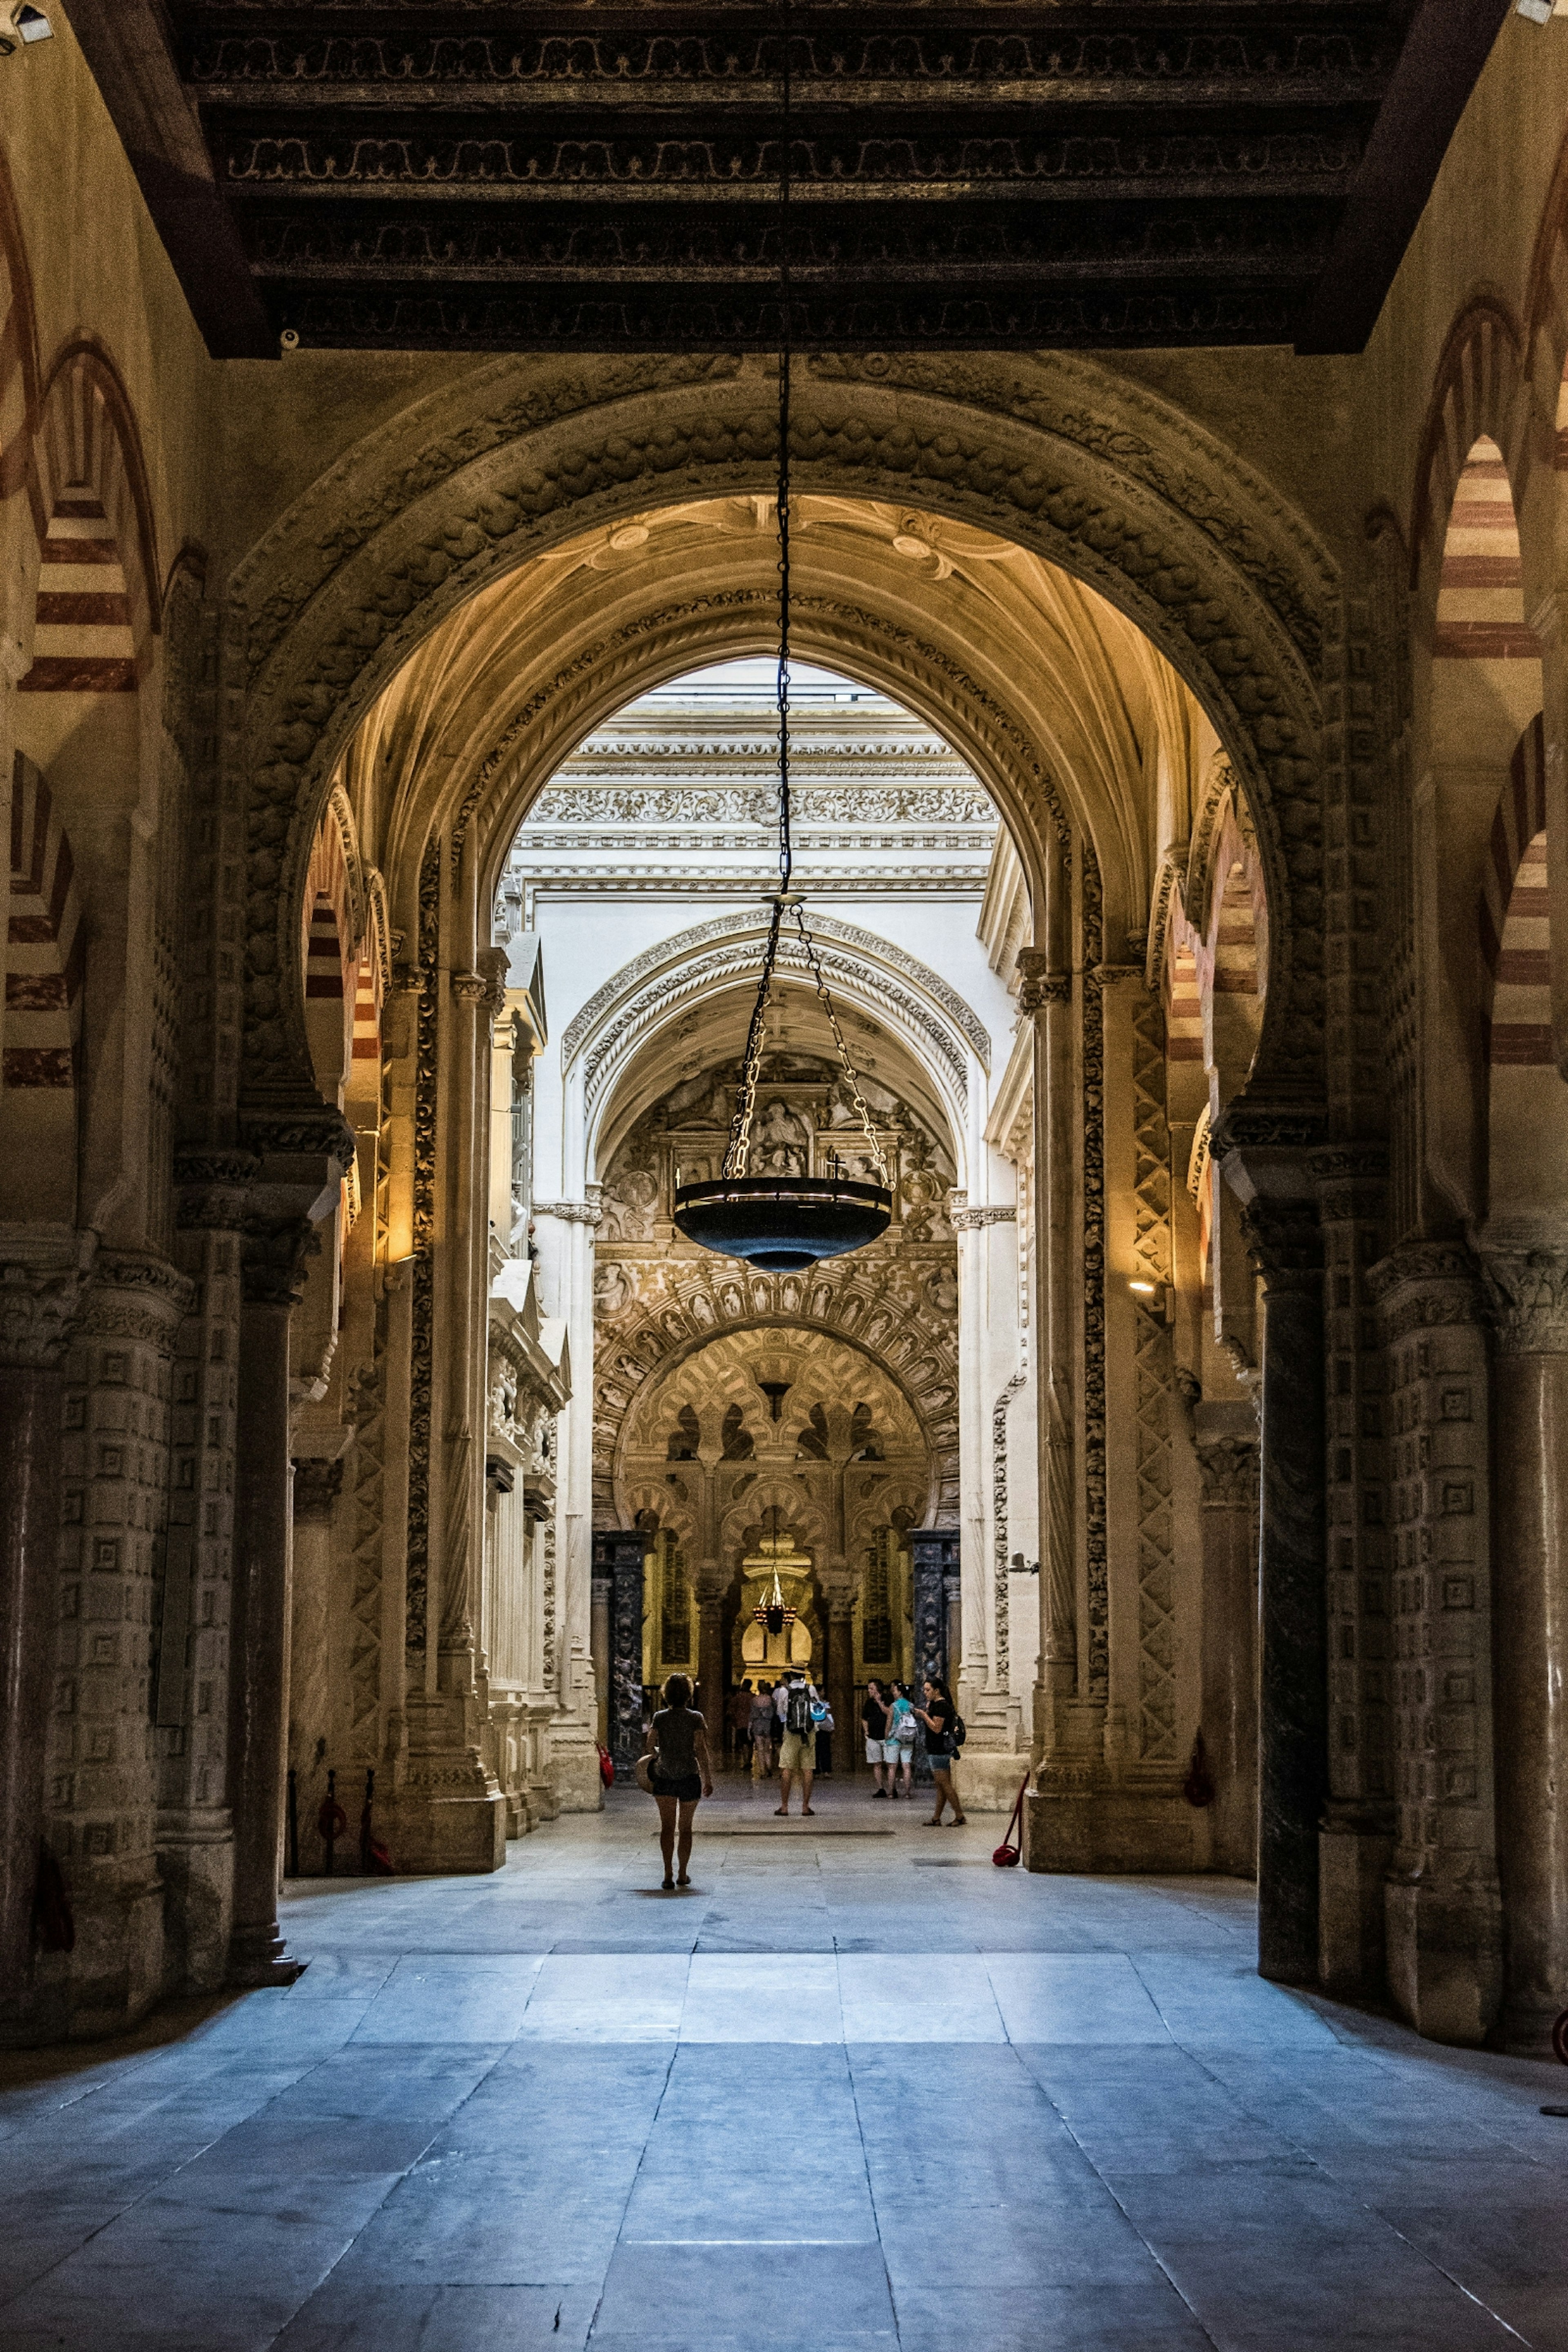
(1094, 1398)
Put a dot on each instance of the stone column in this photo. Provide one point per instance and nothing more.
(272, 1265)
(618, 1556)
(317, 1485)
(1528, 1281)
(841, 1676)
(709, 1596)
(1226, 1440)
(604, 1590)
(1441, 1909)
(43, 1289)
(1283, 1240)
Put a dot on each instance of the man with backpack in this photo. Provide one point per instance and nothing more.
(797, 1748)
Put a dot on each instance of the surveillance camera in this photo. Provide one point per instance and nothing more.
(30, 23)
(288, 341)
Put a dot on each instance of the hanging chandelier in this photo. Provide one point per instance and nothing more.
(774, 1612)
(783, 1223)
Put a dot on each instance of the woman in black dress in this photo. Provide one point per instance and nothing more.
(679, 1772)
(937, 1715)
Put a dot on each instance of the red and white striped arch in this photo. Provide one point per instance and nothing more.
(44, 956)
(1480, 591)
(1515, 914)
(96, 608)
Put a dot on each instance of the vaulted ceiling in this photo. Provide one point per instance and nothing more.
(482, 176)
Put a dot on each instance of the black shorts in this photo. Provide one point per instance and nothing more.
(688, 1788)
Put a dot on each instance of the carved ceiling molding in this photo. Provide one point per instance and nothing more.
(1056, 453)
(603, 1005)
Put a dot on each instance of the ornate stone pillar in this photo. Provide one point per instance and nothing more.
(709, 1594)
(603, 1602)
(1356, 1846)
(1283, 1240)
(1441, 1908)
(43, 1289)
(840, 1676)
(1527, 1280)
(1225, 1441)
(618, 1557)
(565, 1231)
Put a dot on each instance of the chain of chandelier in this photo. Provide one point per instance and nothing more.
(787, 902)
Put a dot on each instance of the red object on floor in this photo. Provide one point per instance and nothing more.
(606, 1767)
(1005, 1856)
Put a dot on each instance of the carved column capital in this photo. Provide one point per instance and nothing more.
(272, 1255)
(211, 1189)
(317, 1485)
(1284, 1242)
(44, 1279)
(1038, 985)
(137, 1295)
(1527, 1297)
(571, 1213)
(1227, 1468)
(1424, 1284)
(970, 1220)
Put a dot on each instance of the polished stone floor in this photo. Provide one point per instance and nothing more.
(852, 2091)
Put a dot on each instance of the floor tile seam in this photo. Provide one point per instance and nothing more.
(1310, 2157)
(1151, 2250)
(871, 2188)
(631, 2188)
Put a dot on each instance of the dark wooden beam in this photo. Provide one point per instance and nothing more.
(129, 47)
(1445, 49)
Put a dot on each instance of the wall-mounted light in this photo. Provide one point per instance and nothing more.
(1540, 12)
(25, 24)
(1143, 1290)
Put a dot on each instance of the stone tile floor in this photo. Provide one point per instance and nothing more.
(851, 2092)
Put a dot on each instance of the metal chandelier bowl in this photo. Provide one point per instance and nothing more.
(782, 1224)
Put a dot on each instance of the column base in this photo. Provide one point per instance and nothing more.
(196, 1866)
(258, 1956)
(1353, 1858)
(1445, 1958)
(1109, 1830)
(430, 1836)
(573, 1771)
(987, 1778)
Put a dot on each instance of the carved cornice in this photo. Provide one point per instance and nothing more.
(1527, 1297)
(211, 1189)
(970, 1220)
(44, 1277)
(571, 1213)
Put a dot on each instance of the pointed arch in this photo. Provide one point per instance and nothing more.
(43, 964)
(100, 587)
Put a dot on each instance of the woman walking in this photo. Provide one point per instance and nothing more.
(901, 1731)
(876, 1713)
(938, 1716)
(679, 1772)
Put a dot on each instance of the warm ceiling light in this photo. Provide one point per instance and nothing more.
(1143, 1290)
(784, 1223)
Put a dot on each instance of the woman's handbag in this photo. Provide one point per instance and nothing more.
(1005, 1856)
(644, 1770)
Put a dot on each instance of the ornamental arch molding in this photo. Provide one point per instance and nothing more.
(927, 1017)
(1054, 453)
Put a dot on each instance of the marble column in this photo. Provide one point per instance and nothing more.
(44, 1274)
(317, 1485)
(1282, 1238)
(1225, 1441)
(1528, 1285)
(603, 1600)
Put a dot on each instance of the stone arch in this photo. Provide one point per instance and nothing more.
(100, 589)
(21, 380)
(878, 1314)
(1527, 1170)
(913, 1002)
(44, 960)
(1478, 393)
(1100, 477)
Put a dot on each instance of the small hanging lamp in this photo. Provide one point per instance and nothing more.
(784, 1223)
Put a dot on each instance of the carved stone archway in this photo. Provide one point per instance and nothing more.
(1058, 455)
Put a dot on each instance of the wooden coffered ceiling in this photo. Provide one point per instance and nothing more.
(481, 175)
